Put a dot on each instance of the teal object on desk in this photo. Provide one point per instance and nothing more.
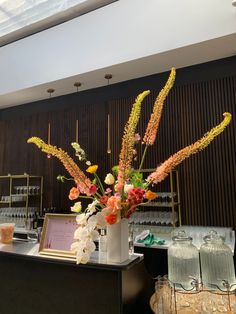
(150, 239)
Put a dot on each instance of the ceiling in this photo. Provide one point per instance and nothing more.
(182, 57)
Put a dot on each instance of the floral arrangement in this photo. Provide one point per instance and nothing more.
(125, 188)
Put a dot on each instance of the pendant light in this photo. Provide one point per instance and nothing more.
(108, 77)
(50, 91)
(77, 85)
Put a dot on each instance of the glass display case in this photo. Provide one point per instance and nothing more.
(165, 209)
(20, 199)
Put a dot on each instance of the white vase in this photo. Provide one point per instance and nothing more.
(118, 242)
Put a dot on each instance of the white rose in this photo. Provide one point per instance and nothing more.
(109, 180)
(128, 187)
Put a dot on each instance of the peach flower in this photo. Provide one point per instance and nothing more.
(114, 203)
(74, 193)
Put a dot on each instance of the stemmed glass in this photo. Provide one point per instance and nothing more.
(17, 188)
(37, 189)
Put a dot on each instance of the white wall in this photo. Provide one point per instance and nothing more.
(123, 31)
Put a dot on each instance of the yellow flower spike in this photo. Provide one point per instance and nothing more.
(92, 169)
(126, 154)
(164, 169)
(79, 177)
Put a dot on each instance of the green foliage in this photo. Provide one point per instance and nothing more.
(136, 178)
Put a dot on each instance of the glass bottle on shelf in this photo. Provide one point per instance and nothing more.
(183, 263)
(217, 263)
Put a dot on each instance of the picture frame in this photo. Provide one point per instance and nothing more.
(57, 235)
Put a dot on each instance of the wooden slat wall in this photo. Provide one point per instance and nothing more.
(17, 157)
(207, 179)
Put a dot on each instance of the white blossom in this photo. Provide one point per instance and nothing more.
(128, 187)
(94, 235)
(92, 207)
(77, 207)
(101, 222)
(81, 233)
(109, 180)
(82, 257)
(85, 235)
(81, 219)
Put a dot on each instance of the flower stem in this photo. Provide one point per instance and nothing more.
(143, 157)
(99, 183)
(68, 179)
(98, 194)
(81, 196)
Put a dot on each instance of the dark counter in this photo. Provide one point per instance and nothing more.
(36, 284)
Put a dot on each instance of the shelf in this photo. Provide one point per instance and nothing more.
(25, 195)
(161, 204)
(19, 176)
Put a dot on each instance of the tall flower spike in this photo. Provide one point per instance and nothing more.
(153, 124)
(126, 154)
(79, 177)
(164, 169)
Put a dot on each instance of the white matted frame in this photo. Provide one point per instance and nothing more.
(57, 235)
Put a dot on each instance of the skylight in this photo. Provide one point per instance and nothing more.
(19, 17)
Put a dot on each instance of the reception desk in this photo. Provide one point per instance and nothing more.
(35, 284)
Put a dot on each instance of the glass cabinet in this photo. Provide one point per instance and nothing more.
(165, 209)
(20, 199)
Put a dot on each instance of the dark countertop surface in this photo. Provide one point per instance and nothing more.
(29, 250)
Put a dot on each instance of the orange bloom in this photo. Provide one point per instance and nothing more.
(150, 195)
(111, 219)
(114, 203)
(74, 193)
(92, 169)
